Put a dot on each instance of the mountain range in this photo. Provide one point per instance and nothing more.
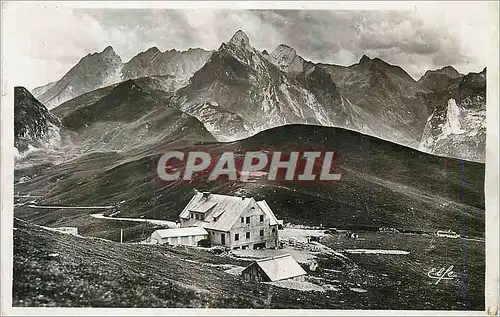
(93, 139)
(237, 91)
(98, 70)
(242, 99)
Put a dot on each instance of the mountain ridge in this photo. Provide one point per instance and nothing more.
(370, 96)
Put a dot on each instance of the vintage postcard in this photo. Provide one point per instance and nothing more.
(222, 158)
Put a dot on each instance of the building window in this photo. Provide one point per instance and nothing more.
(248, 219)
(274, 230)
(261, 218)
(197, 217)
(236, 237)
(248, 235)
(242, 219)
(261, 233)
(192, 215)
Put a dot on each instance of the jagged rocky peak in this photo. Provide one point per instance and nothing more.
(450, 71)
(106, 53)
(146, 55)
(375, 61)
(109, 50)
(447, 70)
(284, 53)
(286, 58)
(364, 59)
(240, 39)
(153, 49)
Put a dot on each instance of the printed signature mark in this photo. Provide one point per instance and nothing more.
(442, 274)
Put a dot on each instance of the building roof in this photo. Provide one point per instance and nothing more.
(203, 206)
(222, 211)
(280, 267)
(269, 213)
(181, 232)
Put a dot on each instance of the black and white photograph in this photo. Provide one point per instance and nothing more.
(198, 156)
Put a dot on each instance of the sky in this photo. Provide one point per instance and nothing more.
(43, 42)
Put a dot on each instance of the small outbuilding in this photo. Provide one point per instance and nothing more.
(277, 268)
(179, 236)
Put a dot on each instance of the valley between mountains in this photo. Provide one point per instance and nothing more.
(411, 154)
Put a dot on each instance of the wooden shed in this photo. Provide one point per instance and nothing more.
(272, 269)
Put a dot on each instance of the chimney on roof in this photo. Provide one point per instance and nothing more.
(206, 194)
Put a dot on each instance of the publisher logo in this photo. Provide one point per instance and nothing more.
(300, 166)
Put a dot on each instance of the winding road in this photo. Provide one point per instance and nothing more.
(167, 223)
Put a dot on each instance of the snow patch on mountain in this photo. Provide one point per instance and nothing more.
(453, 118)
(459, 132)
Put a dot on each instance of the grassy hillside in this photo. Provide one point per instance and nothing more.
(55, 269)
(383, 184)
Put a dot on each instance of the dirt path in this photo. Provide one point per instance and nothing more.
(70, 207)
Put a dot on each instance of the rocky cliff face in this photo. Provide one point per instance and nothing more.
(34, 125)
(377, 98)
(241, 88)
(458, 129)
(153, 62)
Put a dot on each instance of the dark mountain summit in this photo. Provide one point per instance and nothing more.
(381, 99)
(34, 125)
(440, 79)
(132, 114)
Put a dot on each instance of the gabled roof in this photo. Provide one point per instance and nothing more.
(202, 206)
(227, 210)
(222, 211)
(269, 213)
(181, 232)
(280, 267)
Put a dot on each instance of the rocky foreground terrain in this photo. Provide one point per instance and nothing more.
(55, 269)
